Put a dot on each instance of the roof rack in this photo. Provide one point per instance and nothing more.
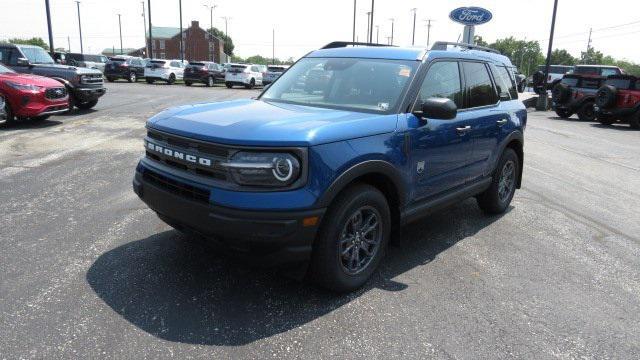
(442, 45)
(341, 44)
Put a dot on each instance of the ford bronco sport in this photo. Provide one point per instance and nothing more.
(85, 86)
(619, 100)
(325, 178)
(576, 94)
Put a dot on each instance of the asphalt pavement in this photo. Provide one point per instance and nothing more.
(88, 271)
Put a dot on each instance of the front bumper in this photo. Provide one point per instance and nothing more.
(84, 94)
(267, 237)
(616, 113)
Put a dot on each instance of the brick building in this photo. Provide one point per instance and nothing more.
(198, 44)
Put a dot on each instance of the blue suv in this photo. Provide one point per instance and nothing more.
(345, 147)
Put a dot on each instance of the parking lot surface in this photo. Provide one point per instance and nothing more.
(87, 271)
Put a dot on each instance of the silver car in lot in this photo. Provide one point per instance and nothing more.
(273, 72)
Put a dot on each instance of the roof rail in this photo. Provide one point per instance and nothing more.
(442, 45)
(340, 44)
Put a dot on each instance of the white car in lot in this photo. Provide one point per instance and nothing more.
(164, 70)
(273, 72)
(247, 75)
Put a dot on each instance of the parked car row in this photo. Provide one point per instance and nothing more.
(557, 72)
(610, 99)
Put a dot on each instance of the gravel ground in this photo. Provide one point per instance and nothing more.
(87, 271)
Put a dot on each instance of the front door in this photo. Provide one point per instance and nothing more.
(440, 149)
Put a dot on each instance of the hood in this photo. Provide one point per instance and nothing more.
(29, 79)
(71, 69)
(260, 123)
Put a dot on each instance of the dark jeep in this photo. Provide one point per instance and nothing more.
(85, 86)
(576, 94)
(619, 100)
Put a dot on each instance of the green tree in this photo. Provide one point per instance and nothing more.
(562, 57)
(228, 42)
(523, 54)
(33, 41)
(477, 39)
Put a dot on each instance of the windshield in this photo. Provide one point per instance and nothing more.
(276, 68)
(5, 70)
(344, 83)
(37, 55)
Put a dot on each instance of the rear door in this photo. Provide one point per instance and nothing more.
(484, 113)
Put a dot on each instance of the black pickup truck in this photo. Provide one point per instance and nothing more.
(576, 94)
(85, 86)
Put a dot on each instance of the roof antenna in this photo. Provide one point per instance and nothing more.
(458, 38)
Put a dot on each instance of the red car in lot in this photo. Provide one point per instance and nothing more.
(30, 96)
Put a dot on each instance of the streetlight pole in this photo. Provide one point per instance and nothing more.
(80, 27)
(413, 37)
(371, 27)
(144, 25)
(392, 22)
(273, 46)
(377, 34)
(211, 8)
(51, 49)
(428, 21)
(542, 99)
(354, 20)
(150, 30)
(368, 25)
(226, 23)
(181, 43)
(120, 27)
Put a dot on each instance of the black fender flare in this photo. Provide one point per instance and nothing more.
(66, 82)
(369, 167)
(519, 137)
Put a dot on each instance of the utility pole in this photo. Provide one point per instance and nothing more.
(542, 99)
(69, 43)
(150, 30)
(273, 46)
(144, 25)
(120, 27)
(211, 8)
(181, 43)
(392, 22)
(428, 21)
(354, 20)
(51, 48)
(377, 34)
(368, 25)
(524, 48)
(226, 23)
(586, 54)
(371, 27)
(413, 37)
(389, 40)
(80, 27)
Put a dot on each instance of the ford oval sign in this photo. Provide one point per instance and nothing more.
(471, 15)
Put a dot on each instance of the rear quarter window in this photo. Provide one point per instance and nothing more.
(570, 81)
(624, 84)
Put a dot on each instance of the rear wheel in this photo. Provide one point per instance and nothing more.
(497, 197)
(587, 112)
(563, 113)
(634, 122)
(210, 81)
(111, 79)
(172, 79)
(352, 239)
(132, 77)
(188, 83)
(605, 120)
(228, 85)
(251, 84)
(8, 117)
(87, 104)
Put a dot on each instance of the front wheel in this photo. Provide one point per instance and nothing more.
(587, 112)
(149, 81)
(352, 239)
(8, 113)
(251, 84)
(172, 79)
(87, 105)
(111, 79)
(634, 122)
(563, 113)
(228, 85)
(210, 81)
(498, 196)
(132, 77)
(187, 83)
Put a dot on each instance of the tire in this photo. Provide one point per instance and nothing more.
(336, 272)
(228, 85)
(634, 121)
(87, 105)
(172, 79)
(560, 93)
(210, 81)
(563, 113)
(587, 112)
(497, 198)
(251, 84)
(606, 96)
(605, 120)
(9, 117)
(187, 83)
(132, 77)
(110, 79)
(149, 81)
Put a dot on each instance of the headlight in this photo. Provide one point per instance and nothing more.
(24, 87)
(264, 169)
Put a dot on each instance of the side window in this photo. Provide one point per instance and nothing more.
(503, 82)
(479, 86)
(606, 72)
(4, 56)
(442, 81)
(14, 55)
(174, 64)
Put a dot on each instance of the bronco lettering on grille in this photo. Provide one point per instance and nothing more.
(179, 155)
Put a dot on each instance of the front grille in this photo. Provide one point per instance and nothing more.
(176, 187)
(92, 79)
(55, 93)
(216, 153)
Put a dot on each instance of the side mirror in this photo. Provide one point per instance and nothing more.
(23, 62)
(438, 108)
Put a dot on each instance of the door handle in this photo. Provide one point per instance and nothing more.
(502, 122)
(463, 130)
